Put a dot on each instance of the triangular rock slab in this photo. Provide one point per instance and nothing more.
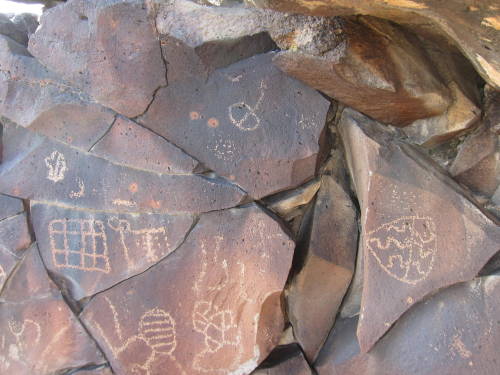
(455, 332)
(14, 237)
(419, 234)
(130, 144)
(317, 291)
(30, 95)
(249, 122)
(211, 307)
(94, 250)
(79, 40)
(10, 206)
(38, 168)
(38, 332)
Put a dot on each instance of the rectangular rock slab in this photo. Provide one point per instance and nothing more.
(419, 232)
(92, 251)
(35, 167)
(38, 332)
(130, 144)
(454, 332)
(211, 307)
(248, 122)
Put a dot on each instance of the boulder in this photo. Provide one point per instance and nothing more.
(436, 238)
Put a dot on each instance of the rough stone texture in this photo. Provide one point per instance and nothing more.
(14, 238)
(291, 361)
(130, 144)
(327, 267)
(38, 168)
(10, 206)
(435, 238)
(397, 84)
(477, 164)
(38, 332)
(95, 371)
(492, 109)
(78, 40)
(92, 251)
(454, 332)
(249, 123)
(471, 26)
(32, 96)
(284, 204)
(211, 318)
(222, 36)
(14, 31)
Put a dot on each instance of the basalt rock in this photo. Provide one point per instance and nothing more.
(327, 267)
(10, 206)
(436, 238)
(249, 122)
(216, 319)
(130, 144)
(38, 168)
(455, 331)
(290, 361)
(467, 25)
(39, 333)
(92, 251)
(78, 40)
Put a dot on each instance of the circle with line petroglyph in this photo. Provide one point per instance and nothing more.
(157, 327)
(405, 248)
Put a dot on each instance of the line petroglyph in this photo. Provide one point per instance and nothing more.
(80, 244)
(245, 117)
(81, 192)
(405, 247)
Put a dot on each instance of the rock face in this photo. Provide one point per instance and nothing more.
(78, 40)
(472, 27)
(216, 319)
(456, 331)
(39, 333)
(385, 85)
(91, 251)
(327, 268)
(436, 238)
(291, 362)
(235, 124)
(45, 170)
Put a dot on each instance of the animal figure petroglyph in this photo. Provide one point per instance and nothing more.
(56, 165)
(80, 244)
(245, 117)
(156, 330)
(151, 240)
(405, 247)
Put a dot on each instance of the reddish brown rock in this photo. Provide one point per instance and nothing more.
(419, 232)
(38, 332)
(91, 251)
(377, 68)
(10, 206)
(14, 237)
(38, 168)
(249, 123)
(101, 370)
(196, 39)
(492, 109)
(32, 96)
(130, 144)
(471, 26)
(316, 292)
(454, 332)
(477, 163)
(290, 361)
(211, 307)
(78, 40)
(286, 203)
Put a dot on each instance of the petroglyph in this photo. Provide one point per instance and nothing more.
(151, 240)
(3, 276)
(245, 117)
(80, 244)
(27, 333)
(122, 202)
(405, 247)
(81, 192)
(156, 329)
(56, 166)
(224, 150)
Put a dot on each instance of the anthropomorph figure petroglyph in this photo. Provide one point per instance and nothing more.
(404, 247)
(56, 166)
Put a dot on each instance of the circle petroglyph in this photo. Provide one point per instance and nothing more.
(405, 248)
